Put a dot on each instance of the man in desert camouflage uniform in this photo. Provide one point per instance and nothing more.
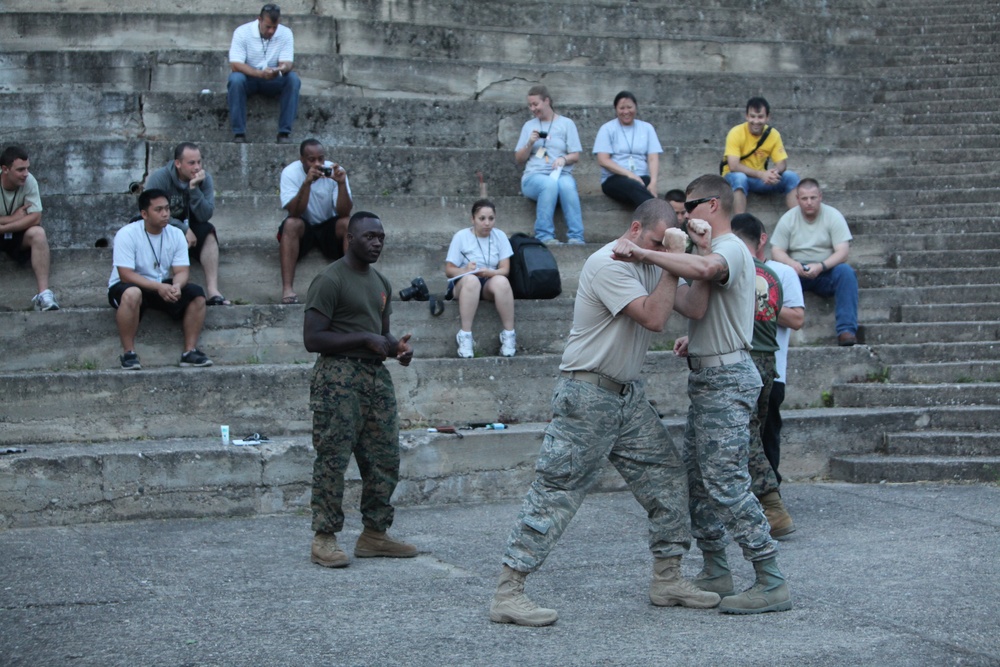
(723, 385)
(352, 396)
(600, 410)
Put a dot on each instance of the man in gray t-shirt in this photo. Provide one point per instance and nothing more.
(723, 386)
(600, 410)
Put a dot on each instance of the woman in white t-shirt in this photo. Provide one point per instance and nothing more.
(481, 254)
(629, 154)
(548, 147)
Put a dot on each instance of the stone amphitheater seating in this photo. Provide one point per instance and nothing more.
(892, 106)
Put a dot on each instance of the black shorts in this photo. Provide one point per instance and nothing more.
(152, 298)
(14, 247)
(322, 236)
(201, 231)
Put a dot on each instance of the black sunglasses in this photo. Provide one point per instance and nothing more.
(689, 206)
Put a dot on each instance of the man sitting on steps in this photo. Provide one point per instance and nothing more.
(151, 269)
(21, 233)
(192, 204)
(815, 241)
(317, 197)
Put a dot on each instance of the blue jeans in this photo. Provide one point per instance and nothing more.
(547, 192)
(739, 181)
(241, 86)
(841, 283)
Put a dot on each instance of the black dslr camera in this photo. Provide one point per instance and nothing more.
(417, 290)
(327, 171)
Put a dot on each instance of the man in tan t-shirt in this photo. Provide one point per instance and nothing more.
(601, 410)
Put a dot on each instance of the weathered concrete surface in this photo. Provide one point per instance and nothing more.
(197, 592)
(168, 402)
(80, 482)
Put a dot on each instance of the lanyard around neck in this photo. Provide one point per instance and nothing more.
(156, 263)
(9, 208)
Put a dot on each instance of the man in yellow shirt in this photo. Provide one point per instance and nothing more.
(749, 146)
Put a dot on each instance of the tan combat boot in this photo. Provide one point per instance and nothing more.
(373, 544)
(715, 575)
(769, 592)
(326, 551)
(511, 605)
(777, 515)
(669, 589)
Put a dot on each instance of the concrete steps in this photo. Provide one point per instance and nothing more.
(74, 482)
(251, 274)
(387, 83)
(168, 402)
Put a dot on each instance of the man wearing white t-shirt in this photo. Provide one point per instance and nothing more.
(261, 56)
(151, 269)
(317, 197)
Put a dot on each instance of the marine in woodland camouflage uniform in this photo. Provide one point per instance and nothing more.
(351, 393)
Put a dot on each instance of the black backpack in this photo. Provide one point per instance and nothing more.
(534, 273)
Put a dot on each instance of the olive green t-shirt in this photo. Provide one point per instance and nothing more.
(353, 301)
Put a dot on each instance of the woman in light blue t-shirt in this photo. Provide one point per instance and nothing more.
(629, 154)
(548, 148)
(485, 251)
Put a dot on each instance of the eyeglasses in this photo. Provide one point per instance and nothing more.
(690, 206)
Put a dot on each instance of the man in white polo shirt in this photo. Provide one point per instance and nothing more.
(261, 56)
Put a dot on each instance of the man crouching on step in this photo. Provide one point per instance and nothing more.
(600, 410)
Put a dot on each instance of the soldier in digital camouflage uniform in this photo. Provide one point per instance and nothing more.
(723, 386)
(770, 297)
(600, 410)
(352, 396)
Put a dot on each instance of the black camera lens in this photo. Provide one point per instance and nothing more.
(417, 290)
(327, 171)
(542, 134)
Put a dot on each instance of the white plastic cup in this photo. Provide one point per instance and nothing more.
(225, 434)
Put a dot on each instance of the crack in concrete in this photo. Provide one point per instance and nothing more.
(499, 82)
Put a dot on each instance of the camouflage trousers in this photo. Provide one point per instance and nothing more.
(716, 450)
(588, 425)
(762, 477)
(354, 411)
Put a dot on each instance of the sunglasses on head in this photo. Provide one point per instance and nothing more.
(690, 206)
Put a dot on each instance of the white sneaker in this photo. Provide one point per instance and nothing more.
(464, 340)
(508, 343)
(45, 300)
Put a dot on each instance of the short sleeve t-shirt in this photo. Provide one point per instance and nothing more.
(740, 141)
(791, 288)
(248, 46)
(353, 301)
(768, 298)
(628, 146)
(600, 341)
(814, 241)
(728, 324)
(26, 194)
(149, 255)
(322, 195)
(485, 252)
(561, 140)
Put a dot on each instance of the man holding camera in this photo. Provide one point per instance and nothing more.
(317, 197)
